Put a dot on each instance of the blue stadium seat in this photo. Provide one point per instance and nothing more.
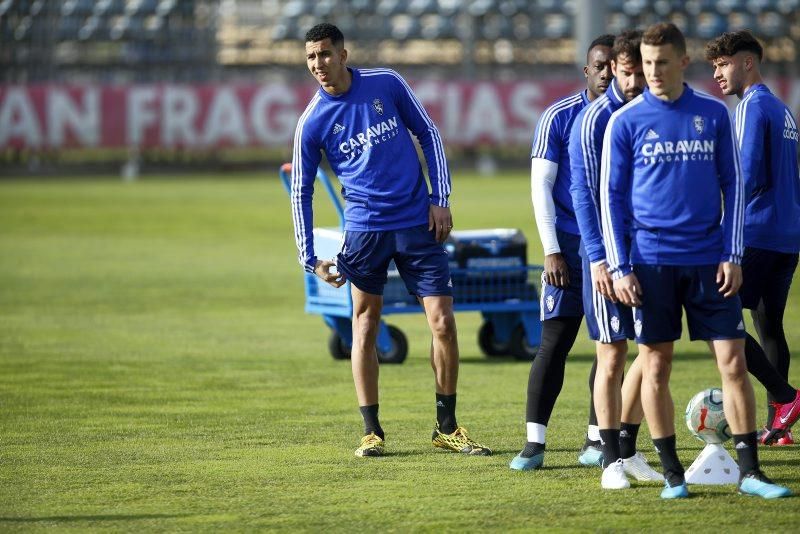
(403, 27)
(771, 24)
(5, 6)
(557, 26)
(68, 28)
(709, 24)
(741, 21)
(448, 8)
(418, 8)
(165, 7)
(142, 7)
(294, 8)
(388, 8)
(324, 8)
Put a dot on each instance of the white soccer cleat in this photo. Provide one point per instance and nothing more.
(614, 477)
(637, 467)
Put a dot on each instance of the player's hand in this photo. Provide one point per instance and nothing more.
(628, 290)
(729, 276)
(556, 271)
(323, 270)
(603, 282)
(440, 221)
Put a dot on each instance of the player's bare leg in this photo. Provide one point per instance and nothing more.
(737, 391)
(739, 403)
(444, 345)
(608, 406)
(632, 414)
(660, 413)
(444, 361)
(632, 411)
(364, 362)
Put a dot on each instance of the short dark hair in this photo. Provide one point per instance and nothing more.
(628, 43)
(665, 33)
(323, 31)
(729, 43)
(603, 40)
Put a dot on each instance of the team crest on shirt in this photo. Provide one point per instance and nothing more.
(377, 105)
(615, 324)
(637, 326)
(699, 124)
(551, 302)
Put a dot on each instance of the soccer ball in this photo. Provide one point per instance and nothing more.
(705, 417)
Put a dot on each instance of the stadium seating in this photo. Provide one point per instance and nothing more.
(196, 35)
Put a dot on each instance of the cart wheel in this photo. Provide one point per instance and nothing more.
(399, 350)
(487, 342)
(337, 347)
(519, 347)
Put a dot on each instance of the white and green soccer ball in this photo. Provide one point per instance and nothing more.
(706, 418)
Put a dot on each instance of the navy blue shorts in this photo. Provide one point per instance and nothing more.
(420, 260)
(666, 289)
(607, 321)
(565, 301)
(767, 277)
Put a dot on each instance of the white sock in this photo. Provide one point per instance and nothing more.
(536, 432)
(593, 432)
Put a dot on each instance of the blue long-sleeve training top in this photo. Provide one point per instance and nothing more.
(767, 135)
(551, 142)
(669, 165)
(364, 134)
(585, 149)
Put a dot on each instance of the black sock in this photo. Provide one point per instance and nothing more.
(628, 432)
(776, 385)
(547, 371)
(371, 424)
(532, 449)
(746, 446)
(673, 470)
(446, 413)
(609, 437)
(592, 413)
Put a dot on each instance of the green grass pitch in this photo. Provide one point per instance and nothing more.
(157, 372)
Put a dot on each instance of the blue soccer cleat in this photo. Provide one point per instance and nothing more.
(591, 456)
(758, 485)
(674, 492)
(520, 463)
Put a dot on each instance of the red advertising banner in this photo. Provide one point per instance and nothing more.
(200, 117)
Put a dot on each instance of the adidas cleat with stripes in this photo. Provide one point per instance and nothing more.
(458, 441)
(637, 467)
(522, 463)
(591, 456)
(758, 485)
(371, 445)
(674, 492)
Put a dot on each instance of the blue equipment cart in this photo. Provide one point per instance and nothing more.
(503, 289)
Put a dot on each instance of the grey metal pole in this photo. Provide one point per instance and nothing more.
(590, 22)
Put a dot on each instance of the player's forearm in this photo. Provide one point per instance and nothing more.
(543, 173)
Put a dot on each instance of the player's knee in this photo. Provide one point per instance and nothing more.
(732, 366)
(443, 326)
(365, 325)
(657, 371)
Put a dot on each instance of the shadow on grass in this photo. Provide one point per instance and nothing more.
(104, 517)
(581, 357)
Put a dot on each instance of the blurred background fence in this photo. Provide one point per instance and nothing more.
(222, 82)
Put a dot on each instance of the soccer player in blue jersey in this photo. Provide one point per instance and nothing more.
(360, 119)
(672, 208)
(766, 132)
(610, 324)
(561, 302)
